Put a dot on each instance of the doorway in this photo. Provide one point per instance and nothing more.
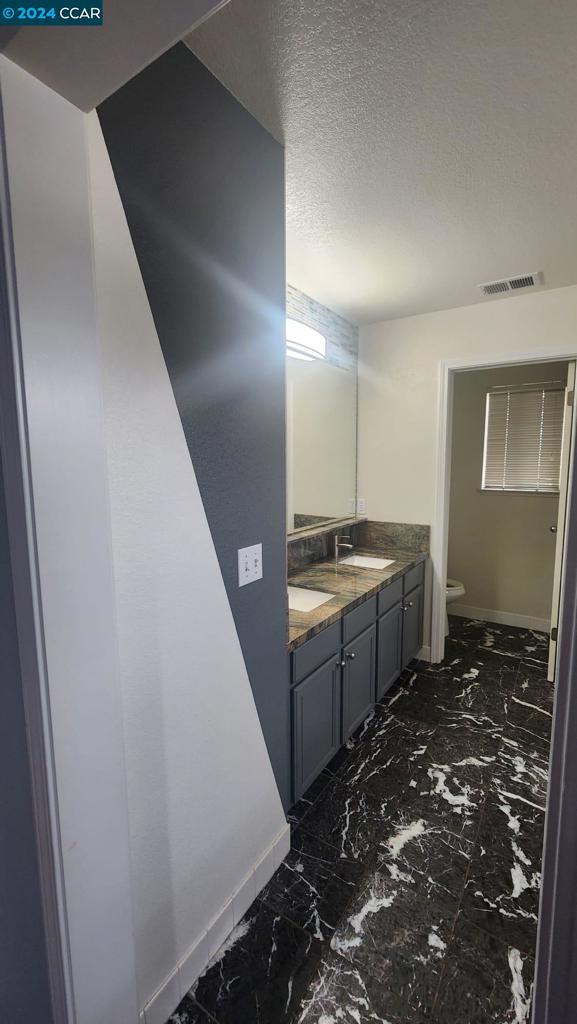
(524, 700)
(448, 372)
(510, 441)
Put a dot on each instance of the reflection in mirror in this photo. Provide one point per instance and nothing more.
(322, 354)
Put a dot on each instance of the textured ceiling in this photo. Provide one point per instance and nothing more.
(430, 144)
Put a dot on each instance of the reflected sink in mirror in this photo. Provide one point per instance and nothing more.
(366, 562)
(302, 600)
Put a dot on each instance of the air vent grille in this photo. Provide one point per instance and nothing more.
(511, 284)
(495, 287)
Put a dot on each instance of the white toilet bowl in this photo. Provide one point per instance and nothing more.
(454, 591)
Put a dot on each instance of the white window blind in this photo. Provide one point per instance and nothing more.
(523, 432)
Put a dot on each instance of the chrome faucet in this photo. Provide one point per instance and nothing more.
(340, 542)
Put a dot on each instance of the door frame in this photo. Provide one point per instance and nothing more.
(29, 621)
(440, 525)
(556, 963)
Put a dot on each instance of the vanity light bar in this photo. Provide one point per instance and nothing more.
(303, 342)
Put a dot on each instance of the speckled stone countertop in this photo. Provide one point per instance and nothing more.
(350, 586)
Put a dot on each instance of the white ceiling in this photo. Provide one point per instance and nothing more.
(85, 64)
(430, 144)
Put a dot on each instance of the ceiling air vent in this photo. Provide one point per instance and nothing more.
(511, 284)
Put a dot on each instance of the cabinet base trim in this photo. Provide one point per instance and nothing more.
(193, 963)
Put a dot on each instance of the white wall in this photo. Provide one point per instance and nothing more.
(399, 375)
(61, 364)
(170, 818)
(202, 798)
(399, 386)
(500, 543)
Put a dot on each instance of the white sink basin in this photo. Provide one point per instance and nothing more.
(367, 562)
(302, 600)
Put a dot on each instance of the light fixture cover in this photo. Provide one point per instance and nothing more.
(304, 340)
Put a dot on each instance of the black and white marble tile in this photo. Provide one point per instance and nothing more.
(465, 630)
(307, 801)
(189, 1012)
(512, 642)
(349, 819)
(531, 705)
(502, 892)
(342, 992)
(484, 980)
(426, 855)
(384, 765)
(398, 933)
(411, 891)
(261, 973)
(424, 697)
(314, 885)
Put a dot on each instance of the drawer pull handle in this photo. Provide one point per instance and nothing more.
(351, 657)
(340, 664)
(410, 605)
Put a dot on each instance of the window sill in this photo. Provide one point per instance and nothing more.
(513, 490)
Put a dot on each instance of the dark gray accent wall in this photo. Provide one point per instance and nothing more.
(24, 989)
(202, 184)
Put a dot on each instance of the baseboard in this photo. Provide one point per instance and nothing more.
(425, 653)
(466, 611)
(190, 967)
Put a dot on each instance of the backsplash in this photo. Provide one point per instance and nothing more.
(342, 337)
(407, 537)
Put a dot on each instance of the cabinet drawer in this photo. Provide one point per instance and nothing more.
(390, 595)
(414, 577)
(359, 619)
(317, 650)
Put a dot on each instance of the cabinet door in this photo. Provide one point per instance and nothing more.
(316, 717)
(389, 649)
(412, 625)
(358, 680)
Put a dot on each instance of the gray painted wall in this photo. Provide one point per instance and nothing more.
(202, 184)
(24, 989)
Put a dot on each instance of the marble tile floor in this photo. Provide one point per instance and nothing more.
(411, 891)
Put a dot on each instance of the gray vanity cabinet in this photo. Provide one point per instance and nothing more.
(390, 648)
(338, 673)
(412, 624)
(359, 658)
(316, 708)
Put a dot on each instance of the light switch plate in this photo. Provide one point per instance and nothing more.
(361, 506)
(249, 564)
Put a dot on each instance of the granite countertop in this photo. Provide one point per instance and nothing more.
(350, 586)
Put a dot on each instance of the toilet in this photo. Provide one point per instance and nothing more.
(455, 590)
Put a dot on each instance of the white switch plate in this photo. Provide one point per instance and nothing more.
(249, 564)
(361, 506)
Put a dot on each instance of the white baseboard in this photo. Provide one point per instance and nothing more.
(501, 618)
(190, 967)
(425, 653)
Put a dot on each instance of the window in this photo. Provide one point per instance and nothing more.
(523, 432)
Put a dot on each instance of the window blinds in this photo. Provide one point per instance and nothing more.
(523, 432)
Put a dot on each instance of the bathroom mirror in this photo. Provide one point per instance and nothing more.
(321, 387)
